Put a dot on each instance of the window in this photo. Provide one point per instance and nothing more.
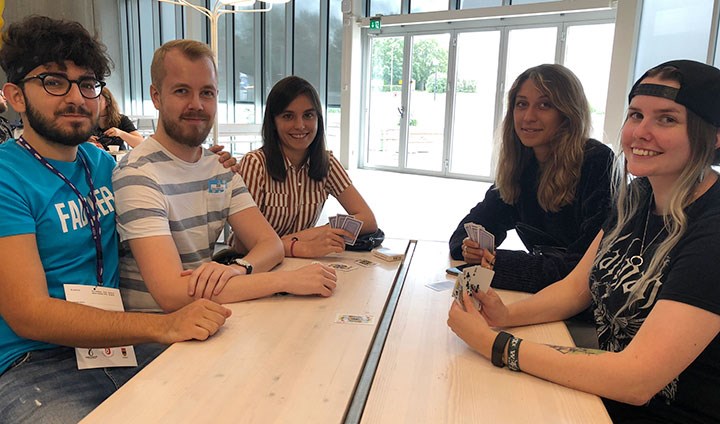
(255, 50)
(437, 96)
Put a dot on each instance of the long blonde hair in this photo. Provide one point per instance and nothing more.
(560, 174)
(631, 195)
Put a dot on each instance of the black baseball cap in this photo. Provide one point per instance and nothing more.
(699, 89)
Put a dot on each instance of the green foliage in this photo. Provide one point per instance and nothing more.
(428, 58)
(466, 86)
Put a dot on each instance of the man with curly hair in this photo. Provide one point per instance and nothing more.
(58, 237)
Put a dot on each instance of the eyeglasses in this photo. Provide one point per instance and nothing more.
(59, 85)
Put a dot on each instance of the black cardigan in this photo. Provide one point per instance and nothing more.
(574, 226)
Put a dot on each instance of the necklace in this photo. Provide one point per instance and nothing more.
(637, 260)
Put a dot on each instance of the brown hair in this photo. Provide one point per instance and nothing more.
(560, 174)
(112, 118)
(282, 94)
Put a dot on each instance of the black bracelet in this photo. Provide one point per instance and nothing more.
(513, 359)
(498, 348)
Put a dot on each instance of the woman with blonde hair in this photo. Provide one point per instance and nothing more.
(651, 274)
(552, 184)
(114, 128)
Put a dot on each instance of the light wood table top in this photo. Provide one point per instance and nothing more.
(280, 359)
(427, 374)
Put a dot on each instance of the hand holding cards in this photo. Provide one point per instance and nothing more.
(481, 236)
(472, 280)
(347, 223)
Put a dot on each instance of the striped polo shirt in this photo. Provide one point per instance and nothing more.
(296, 203)
(158, 194)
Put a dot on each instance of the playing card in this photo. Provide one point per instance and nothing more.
(364, 262)
(472, 279)
(440, 285)
(352, 226)
(341, 266)
(341, 220)
(333, 221)
(486, 240)
(355, 319)
(457, 290)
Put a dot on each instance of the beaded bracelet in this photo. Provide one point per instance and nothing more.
(513, 358)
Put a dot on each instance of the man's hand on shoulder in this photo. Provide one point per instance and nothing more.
(224, 157)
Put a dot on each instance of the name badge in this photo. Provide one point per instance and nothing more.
(217, 186)
(108, 299)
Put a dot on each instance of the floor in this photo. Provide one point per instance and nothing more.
(415, 206)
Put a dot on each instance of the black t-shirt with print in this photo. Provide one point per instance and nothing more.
(691, 275)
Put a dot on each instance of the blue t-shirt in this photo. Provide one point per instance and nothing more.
(36, 201)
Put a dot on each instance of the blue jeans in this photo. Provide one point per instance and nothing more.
(45, 386)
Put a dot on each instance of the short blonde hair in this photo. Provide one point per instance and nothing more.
(191, 49)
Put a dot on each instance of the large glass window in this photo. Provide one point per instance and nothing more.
(307, 41)
(244, 70)
(475, 100)
(385, 7)
(587, 53)
(385, 111)
(334, 63)
(473, 4)
(444, 120)
(528, 47)
(426, 104)
(255, 50)
(671, 29)
(427, 5)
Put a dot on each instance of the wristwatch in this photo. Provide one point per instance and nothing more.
(245, 264)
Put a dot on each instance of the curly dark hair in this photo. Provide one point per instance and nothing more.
(282, 94)
(38, 40)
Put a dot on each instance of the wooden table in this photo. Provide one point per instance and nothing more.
(283, 359)
(280, 359)
(427, 374)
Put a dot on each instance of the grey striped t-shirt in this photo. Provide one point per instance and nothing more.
(158, 194)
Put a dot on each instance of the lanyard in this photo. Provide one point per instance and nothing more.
(90, 211)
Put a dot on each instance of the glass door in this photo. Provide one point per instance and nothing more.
(385, 106)
(427, 102)
(475, 99)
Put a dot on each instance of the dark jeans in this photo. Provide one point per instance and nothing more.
(45, 386)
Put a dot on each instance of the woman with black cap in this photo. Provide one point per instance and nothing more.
(651, 274)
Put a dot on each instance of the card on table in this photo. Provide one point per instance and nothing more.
(341, 266)
(366, 319)
(439, 286)
(364, 262)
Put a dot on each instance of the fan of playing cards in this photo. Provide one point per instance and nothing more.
(481, 236)
(348, 223)
(473, 279)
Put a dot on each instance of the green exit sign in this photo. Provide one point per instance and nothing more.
(375, 24)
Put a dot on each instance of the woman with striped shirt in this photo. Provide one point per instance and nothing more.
(292, 174)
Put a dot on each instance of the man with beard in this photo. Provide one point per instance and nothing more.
(59, 242)
(6, 130)
(173, 200)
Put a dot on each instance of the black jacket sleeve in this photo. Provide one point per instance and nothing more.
(492, 213)
(516, 270)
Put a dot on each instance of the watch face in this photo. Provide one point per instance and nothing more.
(245, 264)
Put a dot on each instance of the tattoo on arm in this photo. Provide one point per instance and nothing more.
(565, 350)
